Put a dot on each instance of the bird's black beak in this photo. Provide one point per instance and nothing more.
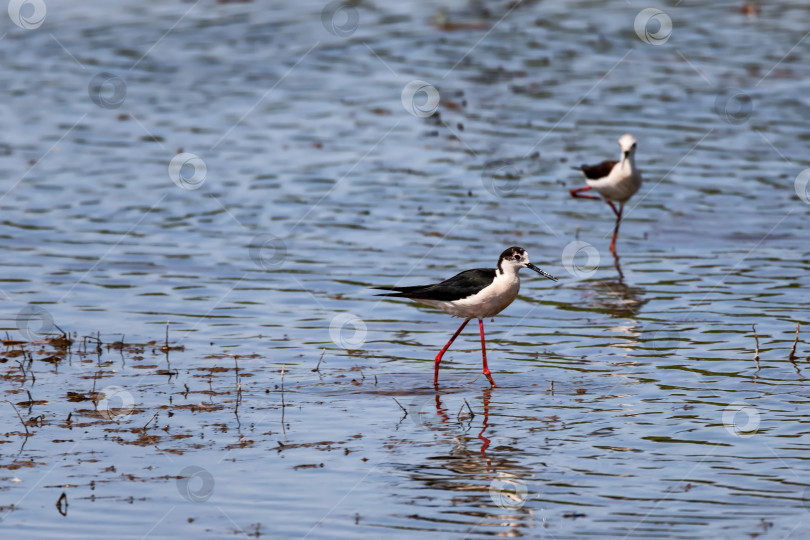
(541, 272)
(626, 154)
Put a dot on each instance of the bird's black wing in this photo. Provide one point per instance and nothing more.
(460, 286)
(595, 172)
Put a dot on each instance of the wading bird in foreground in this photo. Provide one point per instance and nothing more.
(477, 293)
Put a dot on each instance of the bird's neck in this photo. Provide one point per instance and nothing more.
(505, 272)
(628, 163)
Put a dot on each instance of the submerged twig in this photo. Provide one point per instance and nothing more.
(472, 414)
(400, 406)
(27, 433)
(756, 341)
(792, 356)
(283, 405)
(238, 391)
(165, 347)
(22, 368)
(149, 421)
(318, 367)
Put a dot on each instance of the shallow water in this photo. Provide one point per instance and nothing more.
(629, 402)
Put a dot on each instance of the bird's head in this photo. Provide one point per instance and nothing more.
(628, 145)
(515, 258)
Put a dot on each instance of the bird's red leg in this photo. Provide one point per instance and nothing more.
(576, 193)
(484, 353)
(616, 228)
(441, 352)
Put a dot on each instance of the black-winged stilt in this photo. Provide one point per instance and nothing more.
(615, 181)
(477, 293)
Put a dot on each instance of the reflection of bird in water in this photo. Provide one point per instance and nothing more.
(615, 181)
(621, 301)
(616, 297)
(473, 294)
(441, 412)
(482, 484)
